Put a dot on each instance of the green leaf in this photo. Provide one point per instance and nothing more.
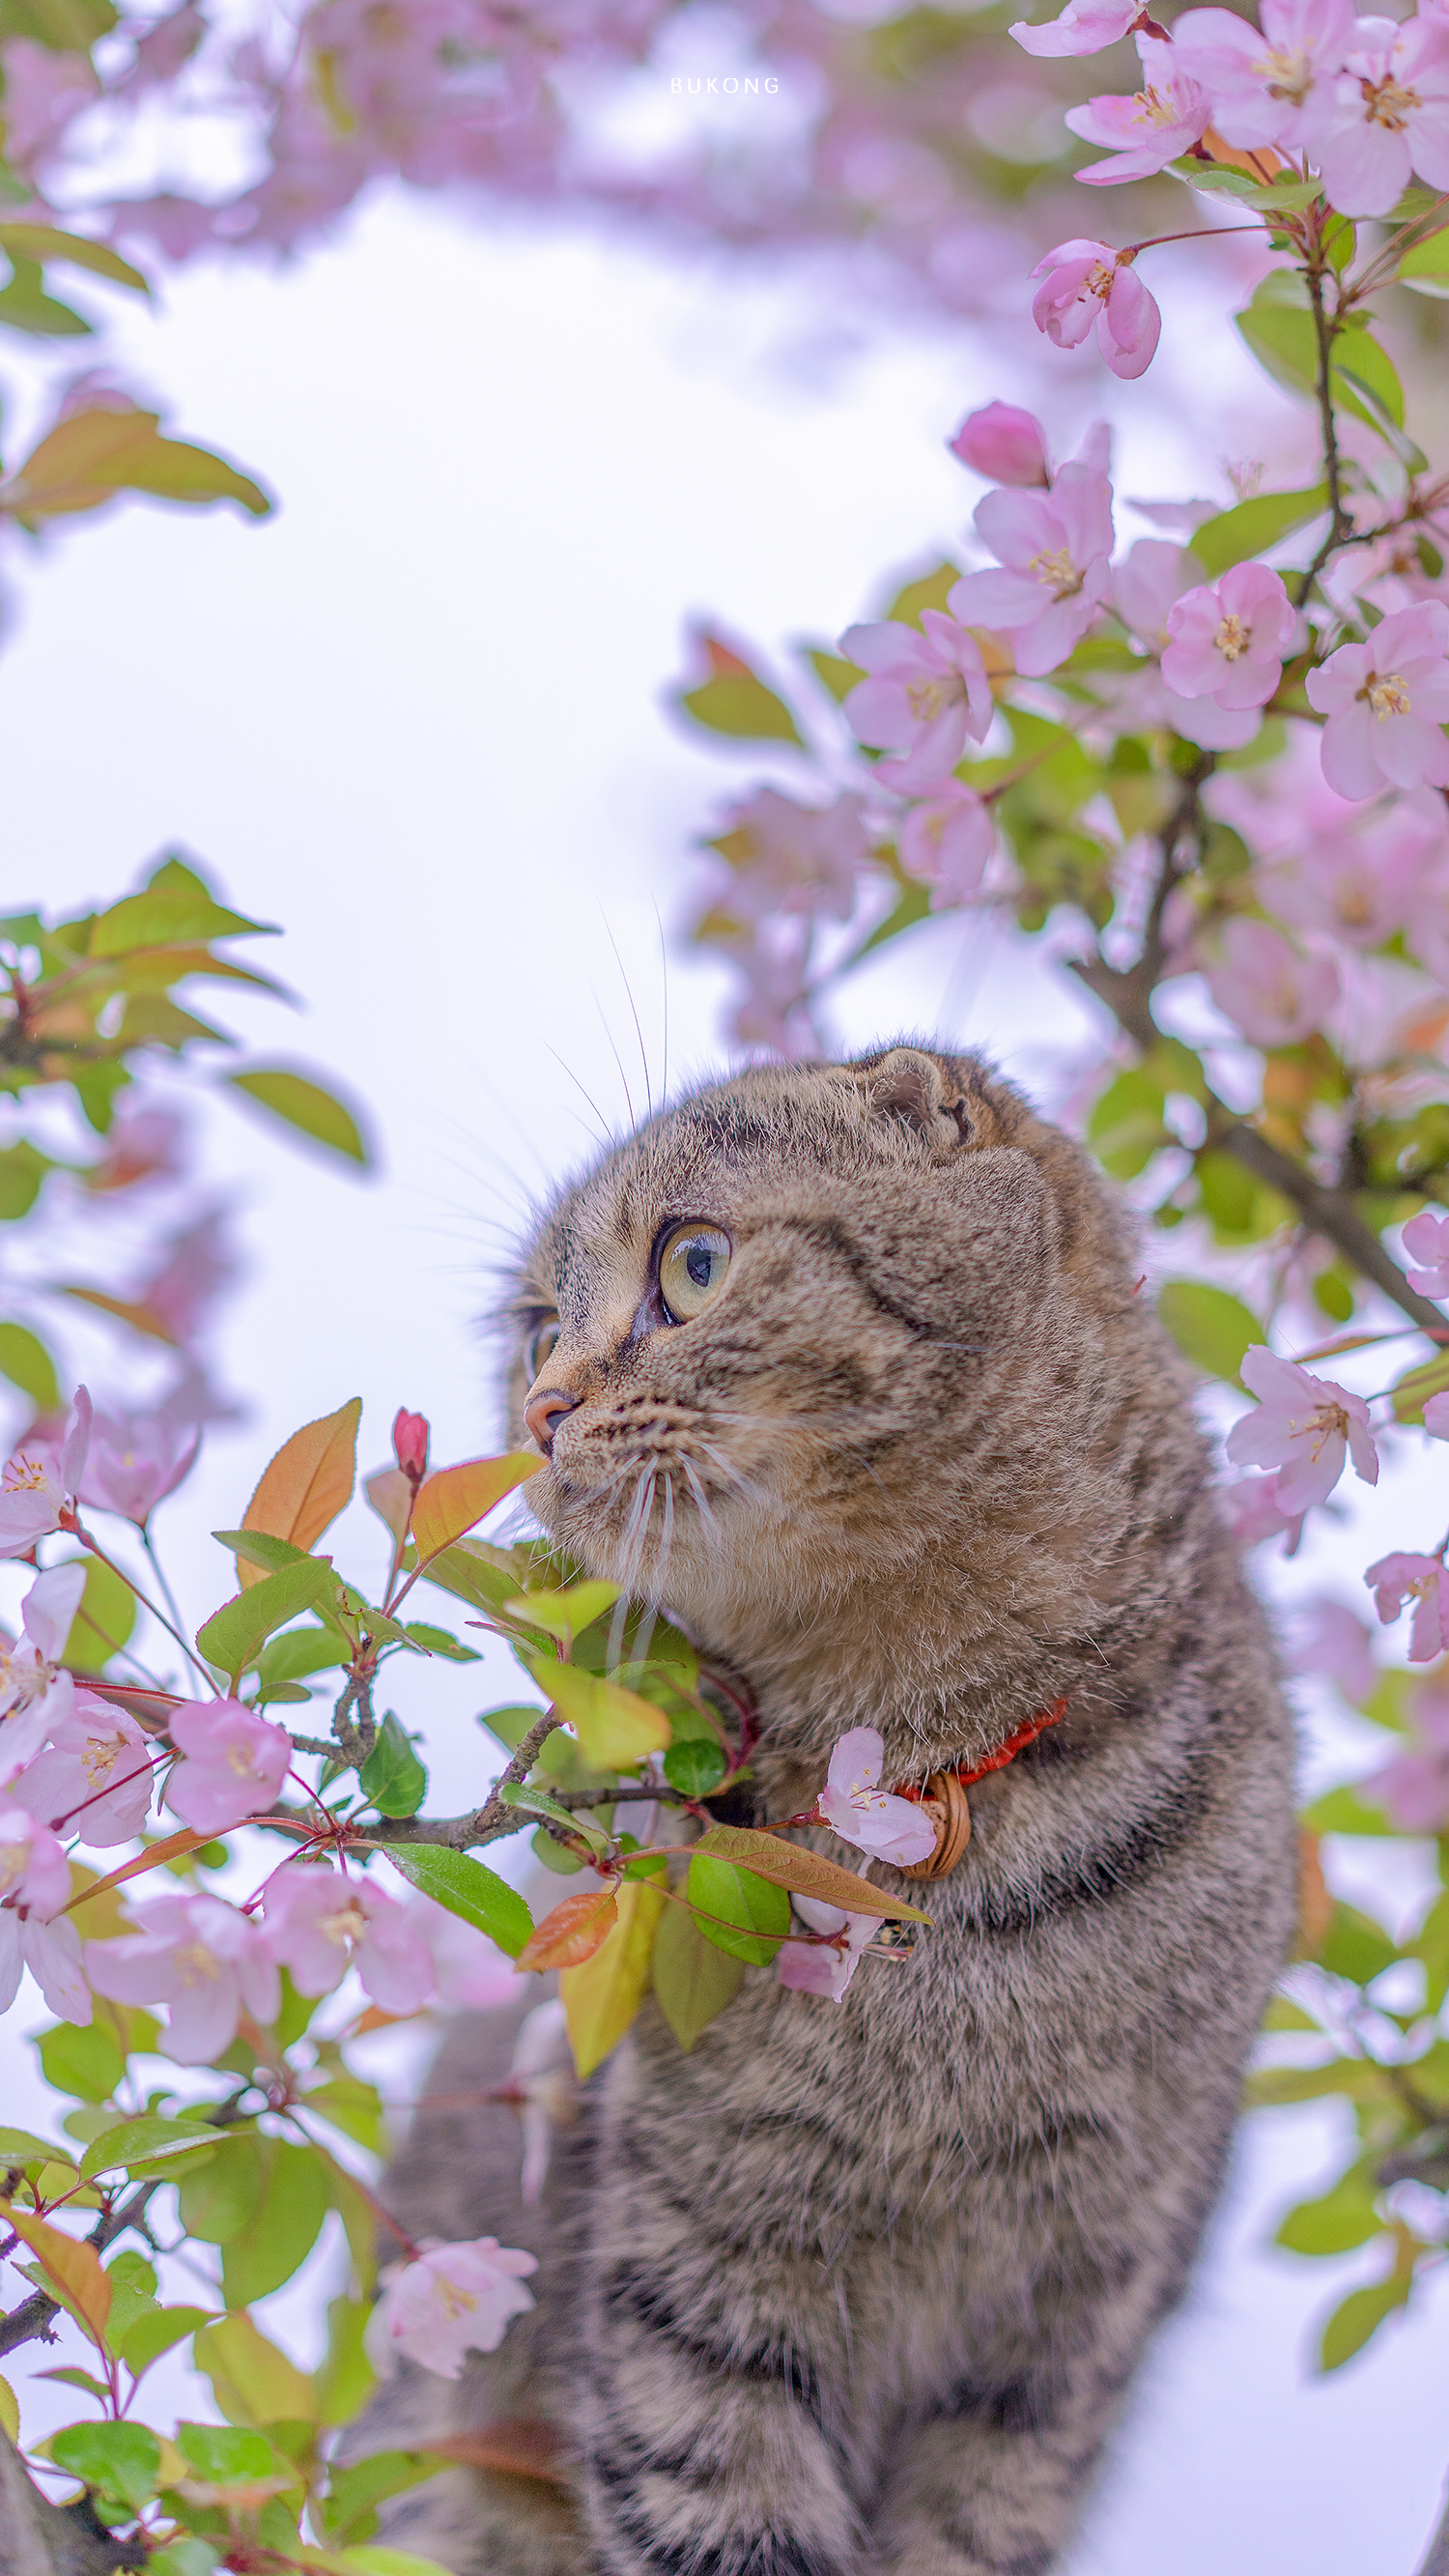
(298, 1652)
(1342, 1811)
(1371, 370)
(22, 1170)
(260, 1548)
(353, 2107)
(25, 305)
(145, 2340)
(349, 2509)
(803, 1872)
(41, 242)
(22, 2147)
(564, 1614)
(693, 1979)
(392, 1779)
(346, 2379)
(169, 916)
(27, 1363)
(235, 1634)
(84, 2062)
(1283, 339)
(120, 2460)
(226, 2454)
(536, 1802)
(749, 1916)
(1356, 1946)
(1425, 266)
(184, 2556)
(251, 2378)
(1254, 526)
(299, 1102)
(695, 1767)
(441, 1641)
(929, 590)
(1273, 2087)
(467, 1889)
(147, 2146)
(739, 704)
(837, 677)
(1125, 1128)
(62, 26)
(1413, 1390)
(1342, 2219)
(282, 2228)
(1431, 1945)
(104, 1621)
(1211, 1329)
(217, 2200)
(1357, 2317)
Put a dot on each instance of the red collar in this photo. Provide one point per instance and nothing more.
(1017, 1742)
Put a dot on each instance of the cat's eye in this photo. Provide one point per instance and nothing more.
(540, 1344)
(692, 1269)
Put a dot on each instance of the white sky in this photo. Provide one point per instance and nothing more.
(417, 720)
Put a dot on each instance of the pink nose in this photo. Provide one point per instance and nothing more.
(543, 1413)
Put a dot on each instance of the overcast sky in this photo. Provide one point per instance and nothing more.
(417, 720)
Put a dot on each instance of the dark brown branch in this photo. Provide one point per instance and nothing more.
(493, 1818)
(1329, 1212)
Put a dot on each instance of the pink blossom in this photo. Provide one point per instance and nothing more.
(1385, 702)
(234, 1763)
(454, 2299)
(861, 1812)
(95, 1779)
(1143, 132)
(470, 1972)
(200, 1956)
(35, 1694)
(1436, 1417)
(1146, 586)
(1426, 1237)
(199, 1264)
(1053, 549)
(1253, 1512)
(1276, 996)
(39, 1481)
(543, 2089)
(812, 1967)
(1414, 1786)
(1334, 1642)
(319, 1924)
(1085, 282)
(1303, 1426)
(1383, 116)
(785, 857)
(1084, 27)
(135, 1461)
(1420, 1579)
(1360, 885)
(1261, 84)
(145, 1144)
(926, 694)
(410, 1444)
(1004, 444)
(1228, 639)
(947, 840)
(34, 1934)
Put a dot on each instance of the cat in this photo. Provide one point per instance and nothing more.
(850, 1366)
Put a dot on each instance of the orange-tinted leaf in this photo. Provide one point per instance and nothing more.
(573, 1932)
(73, 2267)
(155, 1856)
(452, 1500)
(803, 1872)
(308, 1483)
(133, 1311)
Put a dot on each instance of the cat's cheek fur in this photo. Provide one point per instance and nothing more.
(857, 2289)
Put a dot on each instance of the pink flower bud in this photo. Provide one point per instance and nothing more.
(410, 1444)
(1003, 443)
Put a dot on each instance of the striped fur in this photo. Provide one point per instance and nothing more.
(857, 2289)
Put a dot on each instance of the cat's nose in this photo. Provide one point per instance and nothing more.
(543, 1413)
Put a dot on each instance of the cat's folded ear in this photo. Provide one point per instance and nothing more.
(920, 1091)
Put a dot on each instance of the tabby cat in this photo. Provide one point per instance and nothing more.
(848, 1366)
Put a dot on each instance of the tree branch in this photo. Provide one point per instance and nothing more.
(1437, 2562)
(35, 2315)
(493, 1818)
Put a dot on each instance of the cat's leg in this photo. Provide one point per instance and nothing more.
(989, 2473)
(715, 2435)
(458, 2177)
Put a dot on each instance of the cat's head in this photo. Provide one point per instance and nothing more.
(763, 1342)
